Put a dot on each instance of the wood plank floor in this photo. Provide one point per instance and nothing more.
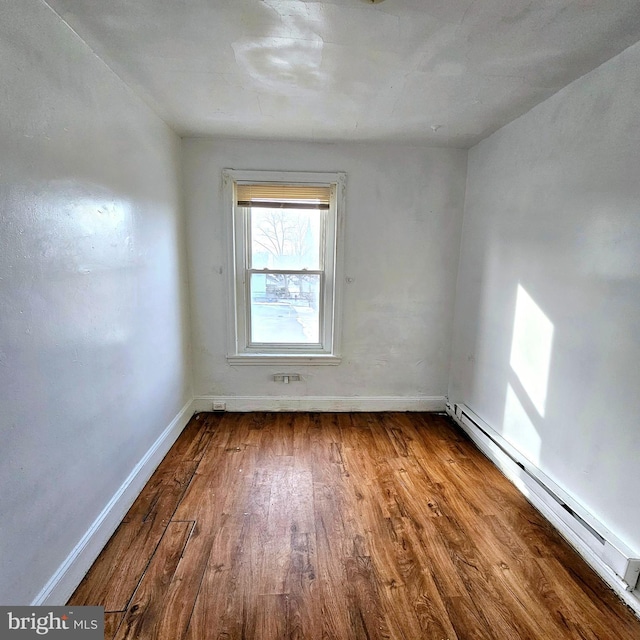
(341, 527)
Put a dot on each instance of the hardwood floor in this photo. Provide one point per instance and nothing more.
(340, 527)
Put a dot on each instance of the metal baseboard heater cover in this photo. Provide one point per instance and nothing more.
(614, 553)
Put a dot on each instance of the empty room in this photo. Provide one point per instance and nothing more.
(321, 319)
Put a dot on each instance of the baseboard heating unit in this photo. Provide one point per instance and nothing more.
(569, 517)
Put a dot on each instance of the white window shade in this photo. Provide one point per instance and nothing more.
(283, 195)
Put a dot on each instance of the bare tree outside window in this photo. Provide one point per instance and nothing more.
(282, 232)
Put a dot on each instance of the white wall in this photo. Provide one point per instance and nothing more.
(553, 211)
(93, 330)
(403, 217)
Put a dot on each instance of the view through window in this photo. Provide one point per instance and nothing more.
(286, 275)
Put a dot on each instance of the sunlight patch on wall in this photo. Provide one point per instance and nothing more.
(518, 429)
(531, 349)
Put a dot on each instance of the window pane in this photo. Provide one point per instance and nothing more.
(285, 238)
(285, 308)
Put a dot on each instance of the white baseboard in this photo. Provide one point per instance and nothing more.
(322, 403)
(69, 574)
(522, 481)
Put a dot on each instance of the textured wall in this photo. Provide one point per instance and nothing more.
(403, 216)
(93, 328)
(547, 334)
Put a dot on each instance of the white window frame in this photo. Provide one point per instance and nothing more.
(240, 351)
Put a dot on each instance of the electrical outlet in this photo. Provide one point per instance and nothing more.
(219, 406)
(286, 378)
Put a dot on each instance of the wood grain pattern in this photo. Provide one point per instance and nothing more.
(144, 616)
(112, 621)
(341, 526)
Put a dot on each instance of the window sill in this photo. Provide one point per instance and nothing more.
(287, 358)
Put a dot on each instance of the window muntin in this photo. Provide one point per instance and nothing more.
(285, 289)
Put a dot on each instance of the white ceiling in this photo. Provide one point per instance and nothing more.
(447, 72)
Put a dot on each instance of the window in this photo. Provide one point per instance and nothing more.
(284, 247)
